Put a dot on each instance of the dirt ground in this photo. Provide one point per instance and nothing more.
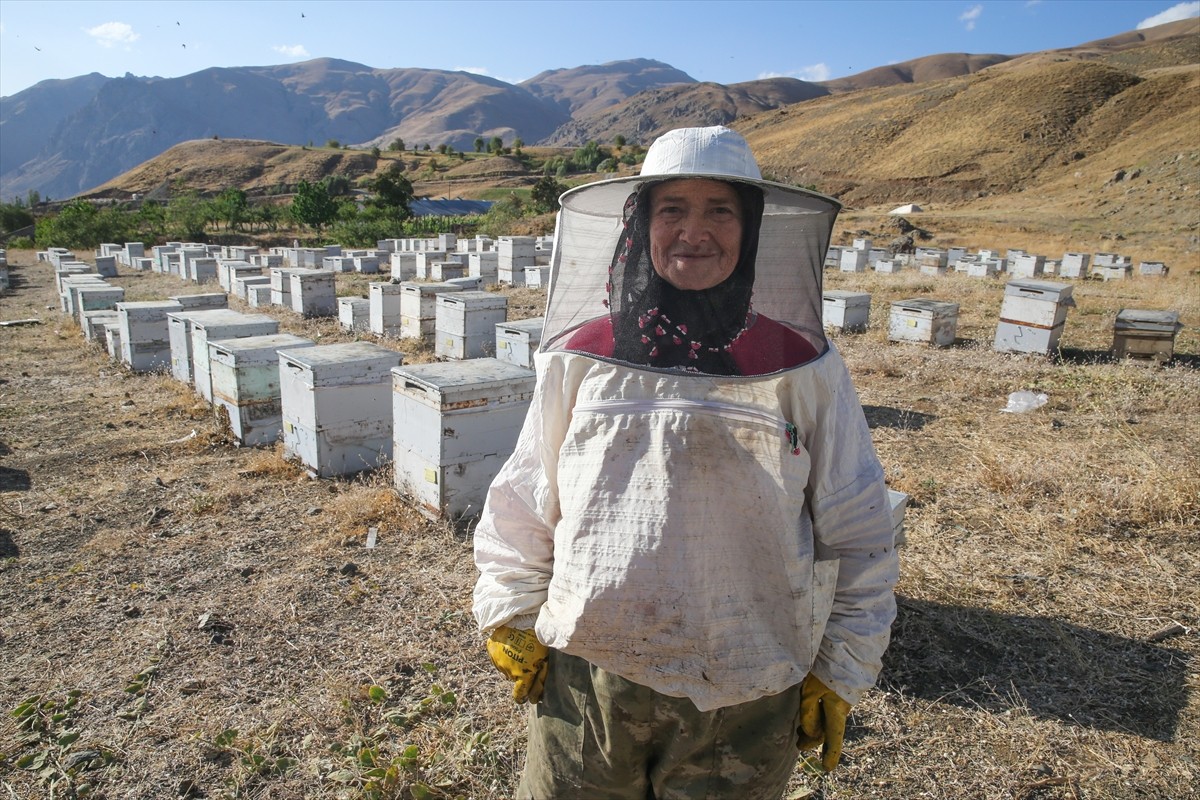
(182, 617)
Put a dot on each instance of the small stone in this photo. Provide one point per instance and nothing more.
(349, 568)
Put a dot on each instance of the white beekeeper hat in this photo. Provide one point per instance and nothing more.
(796, 228)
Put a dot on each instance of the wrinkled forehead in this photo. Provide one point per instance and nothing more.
(702, 190)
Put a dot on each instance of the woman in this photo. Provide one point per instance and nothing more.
(688, 558)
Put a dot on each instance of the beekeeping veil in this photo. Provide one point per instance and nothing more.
(600, 269)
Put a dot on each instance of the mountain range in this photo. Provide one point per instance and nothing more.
(64, 137)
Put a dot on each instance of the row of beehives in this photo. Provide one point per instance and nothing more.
(447, 429)
(861, 256)
(1033, 315)
(509, 259)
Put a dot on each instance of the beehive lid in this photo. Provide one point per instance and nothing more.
(849, 298)
(223, 316)
(251, 345)
(1042, 290)
(925, 306)
(456, 384)
(331, 363)
(1134, 319)
(523, 326)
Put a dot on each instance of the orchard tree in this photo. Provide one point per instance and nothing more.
(397, 145)
(312, 206)
(619, 140)
(479, 144)
(496, 146)
(545, 194)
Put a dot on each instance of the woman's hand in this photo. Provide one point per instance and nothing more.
(521, 658)
(822, 720)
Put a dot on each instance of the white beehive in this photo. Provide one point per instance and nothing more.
(516, 342)
(418, 308)
(145, 340)
(537, 276)
(112, 338)
(354, 313)
(383, 308)
(281, 286)
(932, 264)
(367, 265)
(846, 311)
(926, 321)
(223, 325)
(1112, 272)
(1027, 266)
(96, 298)
(68, 299)
(236, 270)
(984, 268)
(1145, 334)
(515, 254)
(483, 264)
(245, 380)
(336, 413)
(899, 502)
(106, 266)
(179, 334)
(267, 260)
(445, 270)
(93, 323)
(404, 265)
(1032, 316)
(853, 260)
(1156, 268)
(455, 424)
(833, 256)
(258, 295)
(313, 293)
(465, 323)
(862, 244)
(424, 262)
(889, 265)
(202, 270)
(241, 286)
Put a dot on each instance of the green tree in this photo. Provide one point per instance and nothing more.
(375, 152)
(443, 148)
(397, 145)
(619, 140)
(517, 144)
(334, 144)
(187, 216)
(312, 205)
(232, 208)
(14, 216)
(393, 192)
(426, 147)
(496, 145)
(479, 144)
(545, 194)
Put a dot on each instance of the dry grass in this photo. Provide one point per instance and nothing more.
(223, 619)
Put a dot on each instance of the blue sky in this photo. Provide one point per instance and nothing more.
(711, 40)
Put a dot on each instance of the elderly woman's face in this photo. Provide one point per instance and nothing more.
(695, 232)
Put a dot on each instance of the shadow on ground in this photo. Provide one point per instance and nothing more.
(1054, 669)
(900, 418)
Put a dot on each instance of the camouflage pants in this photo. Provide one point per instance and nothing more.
(596, 736)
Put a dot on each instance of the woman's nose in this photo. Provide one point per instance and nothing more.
(693, 228)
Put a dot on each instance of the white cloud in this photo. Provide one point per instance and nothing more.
(473, 70)
(814, 72)
(291, 50)
(111, 34)
(970, 16)
(1173, 14)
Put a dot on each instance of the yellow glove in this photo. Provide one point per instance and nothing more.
(520, 657)
(822, 720)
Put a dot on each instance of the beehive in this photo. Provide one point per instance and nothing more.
(1032, 316)
(313, 293)
(220, 326)
(465, 323)
(354, 313)
(145, 339)
(337, 418)
(853, 260)
(1145, 334)
(383, 308)
(245, 381)
(920, 320)
(516, 342)
(846, 311)
(455, 424)
(418, 308)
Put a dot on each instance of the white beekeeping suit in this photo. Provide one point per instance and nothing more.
(694, 503)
